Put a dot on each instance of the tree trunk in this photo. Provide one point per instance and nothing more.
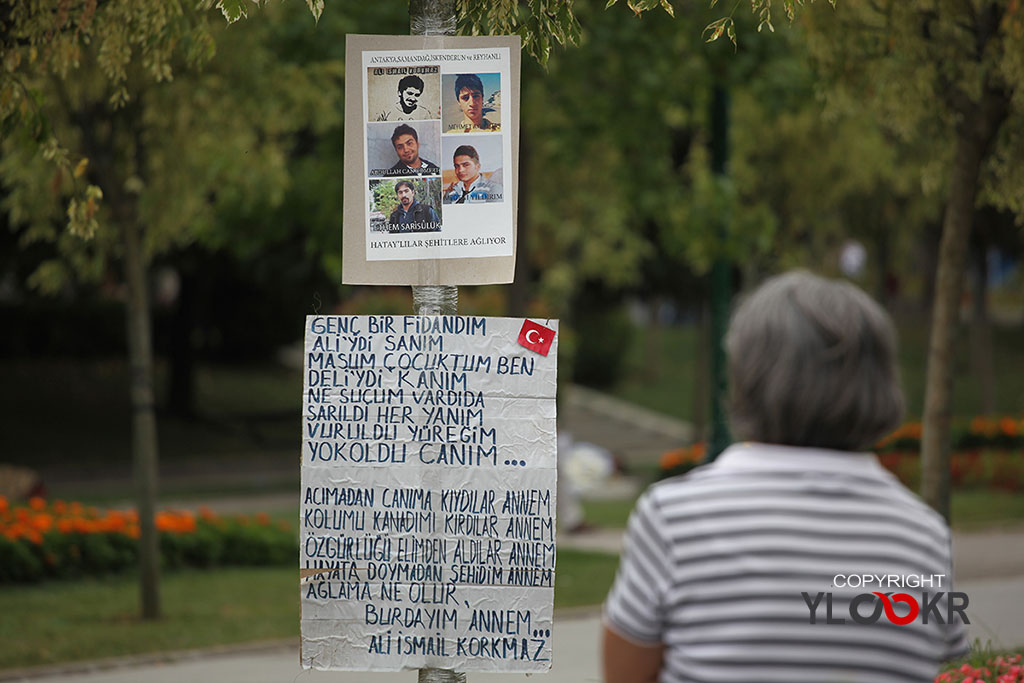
(974, 137)
(929, 264)
(144, 443)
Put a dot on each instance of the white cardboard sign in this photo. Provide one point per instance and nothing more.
(427, 519)
(431, 145)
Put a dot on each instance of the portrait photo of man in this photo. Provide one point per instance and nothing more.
(405, 96)
(408, 203)
(407, 108)
(472, 184)
(403, 150)
(477, 103)
(406, 142)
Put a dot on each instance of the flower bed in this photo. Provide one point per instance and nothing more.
(998, 669)
(980, 433)
(43, 540)
(988, 454)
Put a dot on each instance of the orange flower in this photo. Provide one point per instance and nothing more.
(175, 522)
(60, 507)
(983, 426)
(36, 503)
(82, 525)
(263, 519)
(689, 455)
(4, 505)
(670, 459)
(42, 523)
(1008, 426)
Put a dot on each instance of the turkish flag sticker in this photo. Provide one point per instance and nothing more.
(536, 337)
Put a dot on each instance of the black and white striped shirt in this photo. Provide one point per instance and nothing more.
(717, 562)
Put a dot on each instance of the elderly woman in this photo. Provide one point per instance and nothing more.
(774, 562)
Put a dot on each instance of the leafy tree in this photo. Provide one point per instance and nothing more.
(111, 95)
(952, 71)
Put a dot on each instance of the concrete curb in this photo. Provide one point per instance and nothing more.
(147, 659)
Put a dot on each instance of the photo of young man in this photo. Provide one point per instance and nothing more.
(404, 149)
(411, 94)
(407, 147)
(473, 184)
(407, 107)
(477, 103)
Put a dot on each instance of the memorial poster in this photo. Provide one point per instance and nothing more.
(427, 518)
(431, 141)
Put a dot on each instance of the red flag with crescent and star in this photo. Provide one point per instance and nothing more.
(536, 337)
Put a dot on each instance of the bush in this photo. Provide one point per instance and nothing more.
(988, 469)
(61, 540)
(1005, 433)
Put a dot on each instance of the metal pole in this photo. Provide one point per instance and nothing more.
(720, 275)
(435, 18)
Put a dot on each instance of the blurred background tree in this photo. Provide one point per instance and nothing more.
(112, 102)
(949, 75)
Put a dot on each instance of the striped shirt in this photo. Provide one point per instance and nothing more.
(722, 566)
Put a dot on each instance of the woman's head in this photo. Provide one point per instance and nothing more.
(812, 362)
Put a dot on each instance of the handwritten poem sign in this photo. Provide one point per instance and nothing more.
(427, 519)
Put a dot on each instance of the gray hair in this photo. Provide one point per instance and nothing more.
(812, 362)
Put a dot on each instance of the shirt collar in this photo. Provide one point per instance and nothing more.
(752, 456)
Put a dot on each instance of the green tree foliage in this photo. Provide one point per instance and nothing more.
(111, 95)
(618, 157)
(952, 71)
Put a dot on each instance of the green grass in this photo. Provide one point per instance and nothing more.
(608, 514)
(583, 577)
(88, 619)
(975, 509)
(64, 621)
(662, 375)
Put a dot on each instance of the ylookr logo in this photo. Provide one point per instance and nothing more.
(929, 609)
